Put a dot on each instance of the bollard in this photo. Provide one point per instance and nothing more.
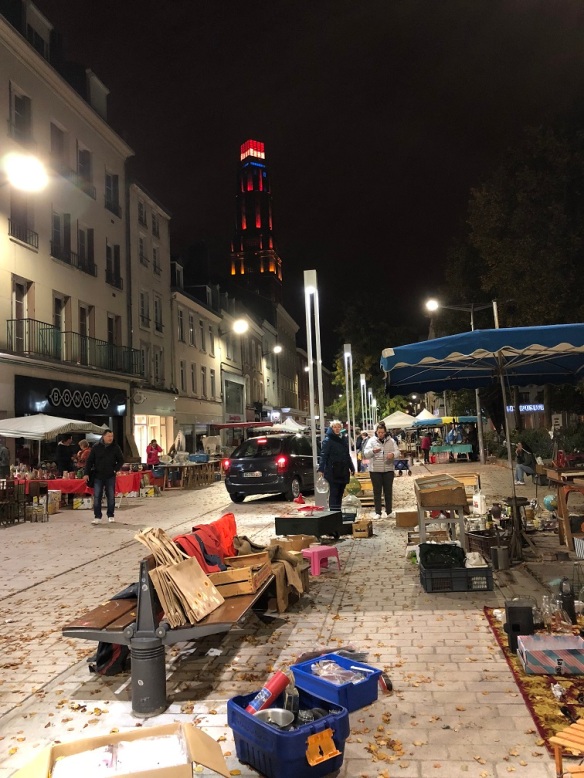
(148, 677)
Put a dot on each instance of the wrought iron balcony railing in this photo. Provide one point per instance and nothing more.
(23, 233)
(113, 206)
(113, 279)
(72, 258)
(39, 339)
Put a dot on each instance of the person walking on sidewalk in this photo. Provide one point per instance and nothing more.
(335, 464)
(102, 464)
(426, 445)
(381, 451)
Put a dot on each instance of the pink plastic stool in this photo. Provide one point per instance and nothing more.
(319, 557)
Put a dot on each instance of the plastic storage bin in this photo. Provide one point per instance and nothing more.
(284, 754)
(198, 458)
(456, 579)
(351, 696)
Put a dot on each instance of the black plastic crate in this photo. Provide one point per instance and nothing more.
(456, 579)
(482, 541)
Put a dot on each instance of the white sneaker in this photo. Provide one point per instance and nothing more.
(110, 519)
(96, 521)
(391, 515)
(519, 483)
(377, 515)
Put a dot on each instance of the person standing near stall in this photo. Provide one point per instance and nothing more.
(335, 464)
(381, 451)
(153, 452)
(425, 446)
(102, 464)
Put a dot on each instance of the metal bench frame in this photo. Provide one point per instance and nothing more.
(147, 635)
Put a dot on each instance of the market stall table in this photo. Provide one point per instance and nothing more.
(125, 483)
(445, 494)
(566, 482)
(451, 448)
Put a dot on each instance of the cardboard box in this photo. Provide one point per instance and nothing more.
(52, 508)
(241, 580)
(82, 503)
(201, 747)
(440, 491)
(362, 529)
(539, 654)
(294, 542)
(147, 491)
(406, 518)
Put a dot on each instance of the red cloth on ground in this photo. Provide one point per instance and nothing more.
(219, 534)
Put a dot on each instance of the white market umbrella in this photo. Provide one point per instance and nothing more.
(398, 420)
(425, 415)
(44, 427)
(288, 426)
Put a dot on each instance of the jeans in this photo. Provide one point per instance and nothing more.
(426, 453)
(109, 484)
(335, 496)
(521, 470)
(382, 481)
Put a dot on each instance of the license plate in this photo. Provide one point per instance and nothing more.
(253, 474)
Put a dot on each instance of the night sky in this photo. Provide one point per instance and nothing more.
(378, 117)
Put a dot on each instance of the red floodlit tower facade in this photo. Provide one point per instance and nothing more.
(254, 260)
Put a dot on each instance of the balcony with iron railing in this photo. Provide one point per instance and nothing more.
(157, 269)
(23, 233)
(158, 326)
(40, 340)
(114, 279)
(81, 182)
(113, 206)
(64, 254)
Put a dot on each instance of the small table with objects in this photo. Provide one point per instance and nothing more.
(315, 523)
(445, 494)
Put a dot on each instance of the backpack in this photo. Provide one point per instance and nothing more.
(110, 659)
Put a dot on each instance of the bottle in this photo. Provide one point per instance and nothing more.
(292, 699)
(274, 686)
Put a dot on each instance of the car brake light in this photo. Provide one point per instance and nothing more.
(225, 464)
(262, 441)
(282, 463)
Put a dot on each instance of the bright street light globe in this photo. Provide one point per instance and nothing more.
(25, 172)
(240, 326)
(277, 349)
(432, 305)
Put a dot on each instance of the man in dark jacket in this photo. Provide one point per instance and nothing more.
(335, 464)
(102, 464)
(64, 454)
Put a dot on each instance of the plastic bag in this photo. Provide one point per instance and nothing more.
(333, 673)
(321, 485)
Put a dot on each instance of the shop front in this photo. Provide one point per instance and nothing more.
(99, 404)
(195, 418)
(153, 419)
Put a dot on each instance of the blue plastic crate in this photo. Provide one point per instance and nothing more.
(282, 754)
(351, 696)
(198, 458)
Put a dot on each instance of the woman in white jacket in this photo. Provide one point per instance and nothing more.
(381, 451)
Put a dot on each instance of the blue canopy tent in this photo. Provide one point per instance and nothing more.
(517, 356)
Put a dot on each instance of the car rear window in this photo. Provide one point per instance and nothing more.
(258, 447)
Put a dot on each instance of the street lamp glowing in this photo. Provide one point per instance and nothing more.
(25, 172)
(432, 305)
(277, 349)
(240, 326)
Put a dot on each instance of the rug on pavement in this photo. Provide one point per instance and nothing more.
(536, 689)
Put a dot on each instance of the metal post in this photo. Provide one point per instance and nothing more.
(309, 289)
(363, 403)
(347, 353)
(478, 405)
(321, 419)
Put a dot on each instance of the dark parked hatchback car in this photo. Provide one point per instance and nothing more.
(270, 464)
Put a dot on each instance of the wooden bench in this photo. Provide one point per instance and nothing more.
(139, 624)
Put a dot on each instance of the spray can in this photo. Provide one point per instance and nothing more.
(274, 686)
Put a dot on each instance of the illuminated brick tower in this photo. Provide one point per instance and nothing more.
(255, 263)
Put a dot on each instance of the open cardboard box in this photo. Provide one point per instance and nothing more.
(201, 748)
(294, 542)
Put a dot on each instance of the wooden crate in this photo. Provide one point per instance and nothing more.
(362, 529)
(241, 580)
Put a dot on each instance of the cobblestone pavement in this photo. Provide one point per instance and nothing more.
(455, 707)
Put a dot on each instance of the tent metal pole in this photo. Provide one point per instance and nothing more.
(516, 550)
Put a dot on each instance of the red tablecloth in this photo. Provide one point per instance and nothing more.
(126, 482)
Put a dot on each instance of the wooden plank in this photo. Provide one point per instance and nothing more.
(124, 621)
(104, 615)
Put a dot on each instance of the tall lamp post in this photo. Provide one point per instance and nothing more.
(311, 306)
(432, 306)
(350, 397)
(363, 401)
